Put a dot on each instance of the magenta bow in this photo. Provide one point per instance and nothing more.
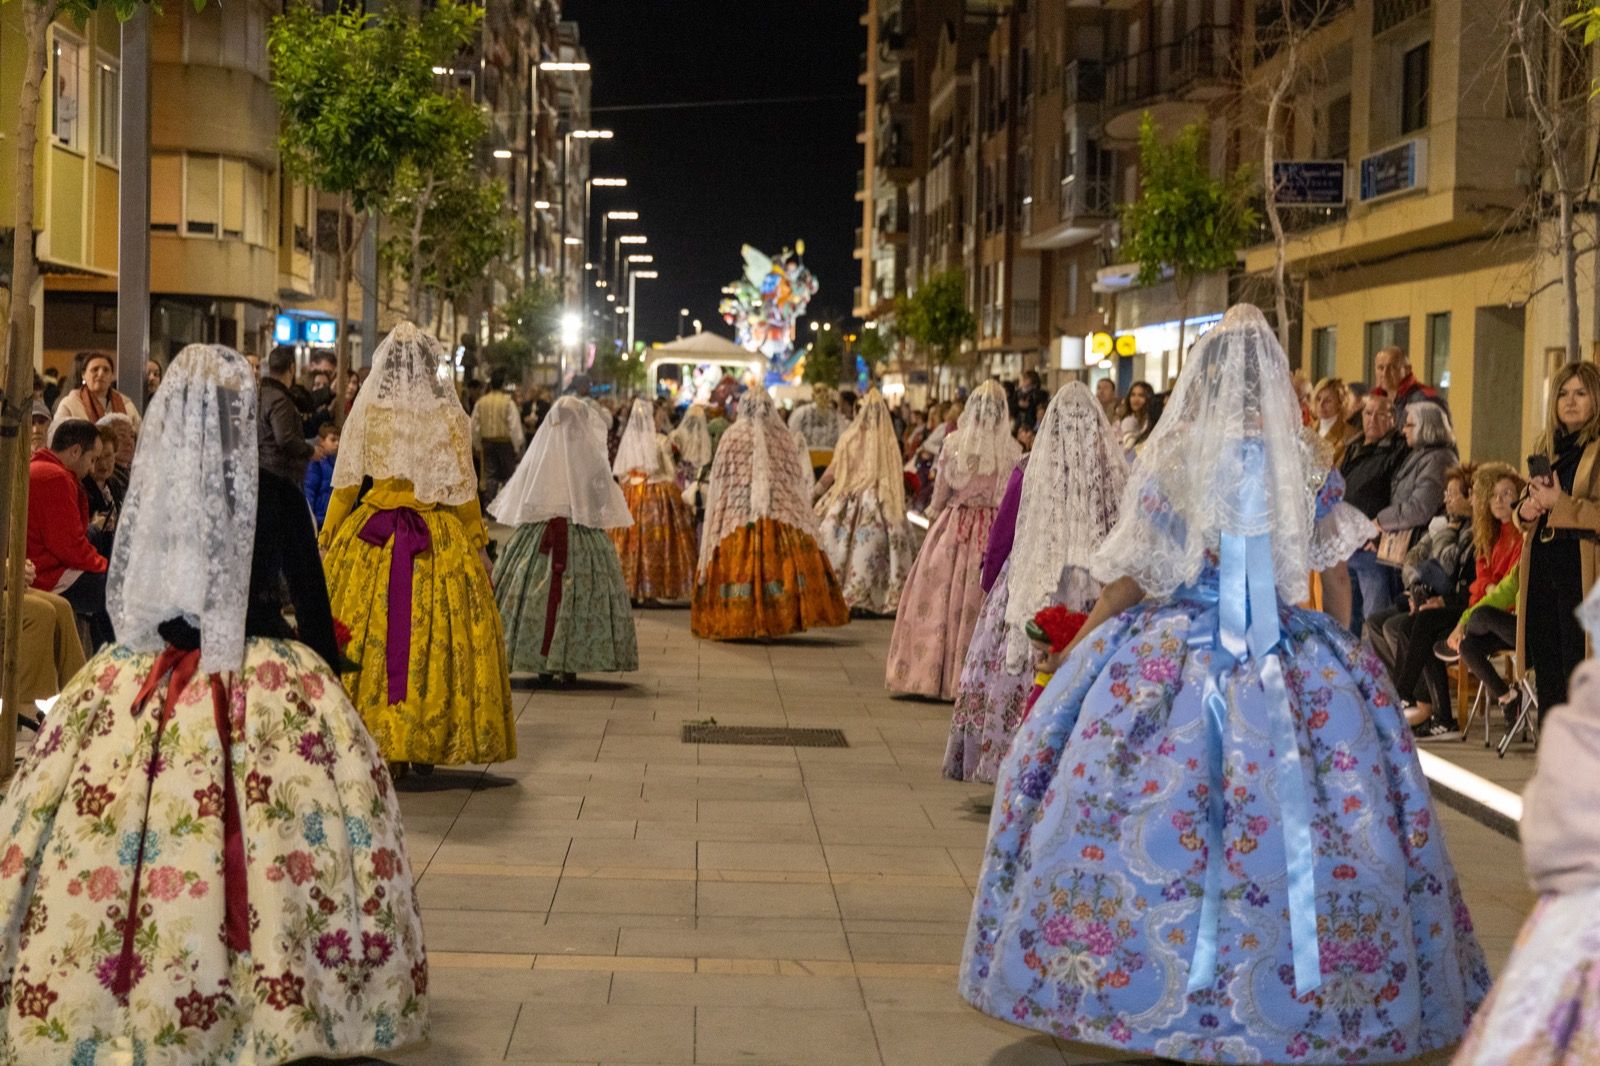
(411, 539)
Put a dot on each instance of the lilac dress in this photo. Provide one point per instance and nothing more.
(943, 594)
(1218, 859)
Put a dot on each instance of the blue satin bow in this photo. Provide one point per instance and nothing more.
(1242, 624)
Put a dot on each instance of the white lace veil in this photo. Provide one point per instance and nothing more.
(408, 423)
(758, 473)
(564, 474)
(187, 536)
(639, 450)
(1070, 495)
(982, 445)
(1227, 457)
(693, 438)
(868, 457)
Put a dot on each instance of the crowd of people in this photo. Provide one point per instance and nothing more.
(1174, 628)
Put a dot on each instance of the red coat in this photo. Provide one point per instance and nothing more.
(58, 522)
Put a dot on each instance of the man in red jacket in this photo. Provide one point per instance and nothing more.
(58, 525)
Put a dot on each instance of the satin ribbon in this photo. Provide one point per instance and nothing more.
(1242, 624)
(177, 667)
(554, 544)
(411, 539)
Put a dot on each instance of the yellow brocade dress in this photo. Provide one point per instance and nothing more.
(456, 705)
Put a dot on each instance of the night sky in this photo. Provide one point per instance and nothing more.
(708, 179)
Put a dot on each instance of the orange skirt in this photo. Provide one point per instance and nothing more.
(658, 551)
(766, 579)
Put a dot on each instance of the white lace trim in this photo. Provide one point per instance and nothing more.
(1337, 535)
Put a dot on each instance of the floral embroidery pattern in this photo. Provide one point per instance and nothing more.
(329, 891)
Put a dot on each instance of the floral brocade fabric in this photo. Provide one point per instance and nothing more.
(871, 556)
(592, 630)
(1087, 912)
(457, 705)
(335, 963)
(658, 551)
(766, 579)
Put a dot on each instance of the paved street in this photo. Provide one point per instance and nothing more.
(629, 898)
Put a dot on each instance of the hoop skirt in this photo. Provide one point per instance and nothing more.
(870, 555)
(296, 934)
(443, 694)
(766, 579)
(991, 700)
(588, 628)
(658, 551)
(1088, 909)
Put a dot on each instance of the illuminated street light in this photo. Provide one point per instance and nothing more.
(646, 274)
(541, 205)
(570, 241)
(570, 326)
(641, 259)
(592, 135)
(623, 216)
(815, 326)
(634, 238)
(609, 183)
(551, 64)
(502, 153)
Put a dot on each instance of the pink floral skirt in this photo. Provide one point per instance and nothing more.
(940, 605)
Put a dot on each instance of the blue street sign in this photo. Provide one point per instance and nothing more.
(1398, 168)
(1309, 183)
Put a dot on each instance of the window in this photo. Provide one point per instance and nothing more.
(1338, 128)
(1324, 352)
(1414, 88)
(233, 210)
(1384, 333)
(66, 91)
(256, 211)
(1438, 369)
(108, 104)
(1073, 283)
(166, 191)
(201, 195)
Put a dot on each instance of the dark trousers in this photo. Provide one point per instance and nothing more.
(1554, 638)
(1489, 630)
(1420, 676)
(87, 594)
(1385, 640)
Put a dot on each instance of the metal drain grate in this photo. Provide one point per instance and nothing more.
(764, 736)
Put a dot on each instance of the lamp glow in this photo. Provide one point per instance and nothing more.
(541, 205)
(570, 241)
(571, 324)
(609, 183)
(634, 238)
(623, 216)
(502, 153)
(592, 135)
(551, 64)
(641, 259)
(646, 274)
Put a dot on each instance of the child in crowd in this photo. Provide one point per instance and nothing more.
(319, 475)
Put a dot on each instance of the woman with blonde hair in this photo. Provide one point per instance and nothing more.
(404, 546)
(1328, 400)
(861, 513)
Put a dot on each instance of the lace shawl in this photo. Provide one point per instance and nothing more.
(187, 536)
(693, 438)
(758, 473)
(982, 444)
(868, 457)
(642, 447)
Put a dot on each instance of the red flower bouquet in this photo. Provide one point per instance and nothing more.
(1050, 630)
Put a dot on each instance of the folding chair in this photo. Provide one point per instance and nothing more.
(1527, 722)
(1504, 662)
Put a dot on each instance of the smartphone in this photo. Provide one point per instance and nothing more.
(1538, 466)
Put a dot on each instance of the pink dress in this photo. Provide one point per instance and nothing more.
(944, 593)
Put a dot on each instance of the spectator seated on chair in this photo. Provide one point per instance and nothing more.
(58, 525)
(1487, 629)
(49, 652)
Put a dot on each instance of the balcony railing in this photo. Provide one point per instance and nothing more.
(1083, 195)
(1024, 318)
(1203, 55)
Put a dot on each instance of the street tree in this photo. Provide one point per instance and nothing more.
(361, 109)
(873, 346)
(825, 360)
(533, 320)
(17, 342)
(936, 317)
(1185, 222)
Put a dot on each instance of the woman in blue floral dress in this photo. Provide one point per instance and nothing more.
(1212, 839)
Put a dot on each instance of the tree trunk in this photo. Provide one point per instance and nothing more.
(1183, 288)
(17, 340)
(1569, 275)
(1269, 152)
(414, 281)
(348, 239)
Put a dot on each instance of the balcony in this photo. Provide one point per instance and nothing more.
(1170, 80)
(1296, 220)
(1083, 81)
(1086, 203)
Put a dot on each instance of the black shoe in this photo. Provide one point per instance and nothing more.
(1433, 729)
(1445, 653)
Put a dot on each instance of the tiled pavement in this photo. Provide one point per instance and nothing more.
(628, 898)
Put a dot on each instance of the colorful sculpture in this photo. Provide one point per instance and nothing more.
(763, 304)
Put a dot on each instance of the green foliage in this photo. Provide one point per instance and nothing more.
(873, 346)
(936, 315)
(357, 97)
(624, 371)
(534, 315)
(825, 360)
(1184, 220)
(465, 228)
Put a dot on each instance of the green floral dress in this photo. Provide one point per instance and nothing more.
(563, 602)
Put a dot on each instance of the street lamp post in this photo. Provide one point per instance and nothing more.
(634, 276)
(566, 164)
(683, 313)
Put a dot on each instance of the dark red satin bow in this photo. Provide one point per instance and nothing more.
(411, 539)
(554, 544)
(177, 666)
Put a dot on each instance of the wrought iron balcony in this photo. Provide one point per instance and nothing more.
(1202, 58)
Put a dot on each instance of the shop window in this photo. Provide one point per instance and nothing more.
(201, 195)
(66, 91)
(1324, 352)
(166, 192)
(1437, 371)
(108, 107)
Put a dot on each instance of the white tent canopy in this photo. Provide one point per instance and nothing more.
(700, 349)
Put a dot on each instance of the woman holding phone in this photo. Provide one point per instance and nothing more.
(1561, 516)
